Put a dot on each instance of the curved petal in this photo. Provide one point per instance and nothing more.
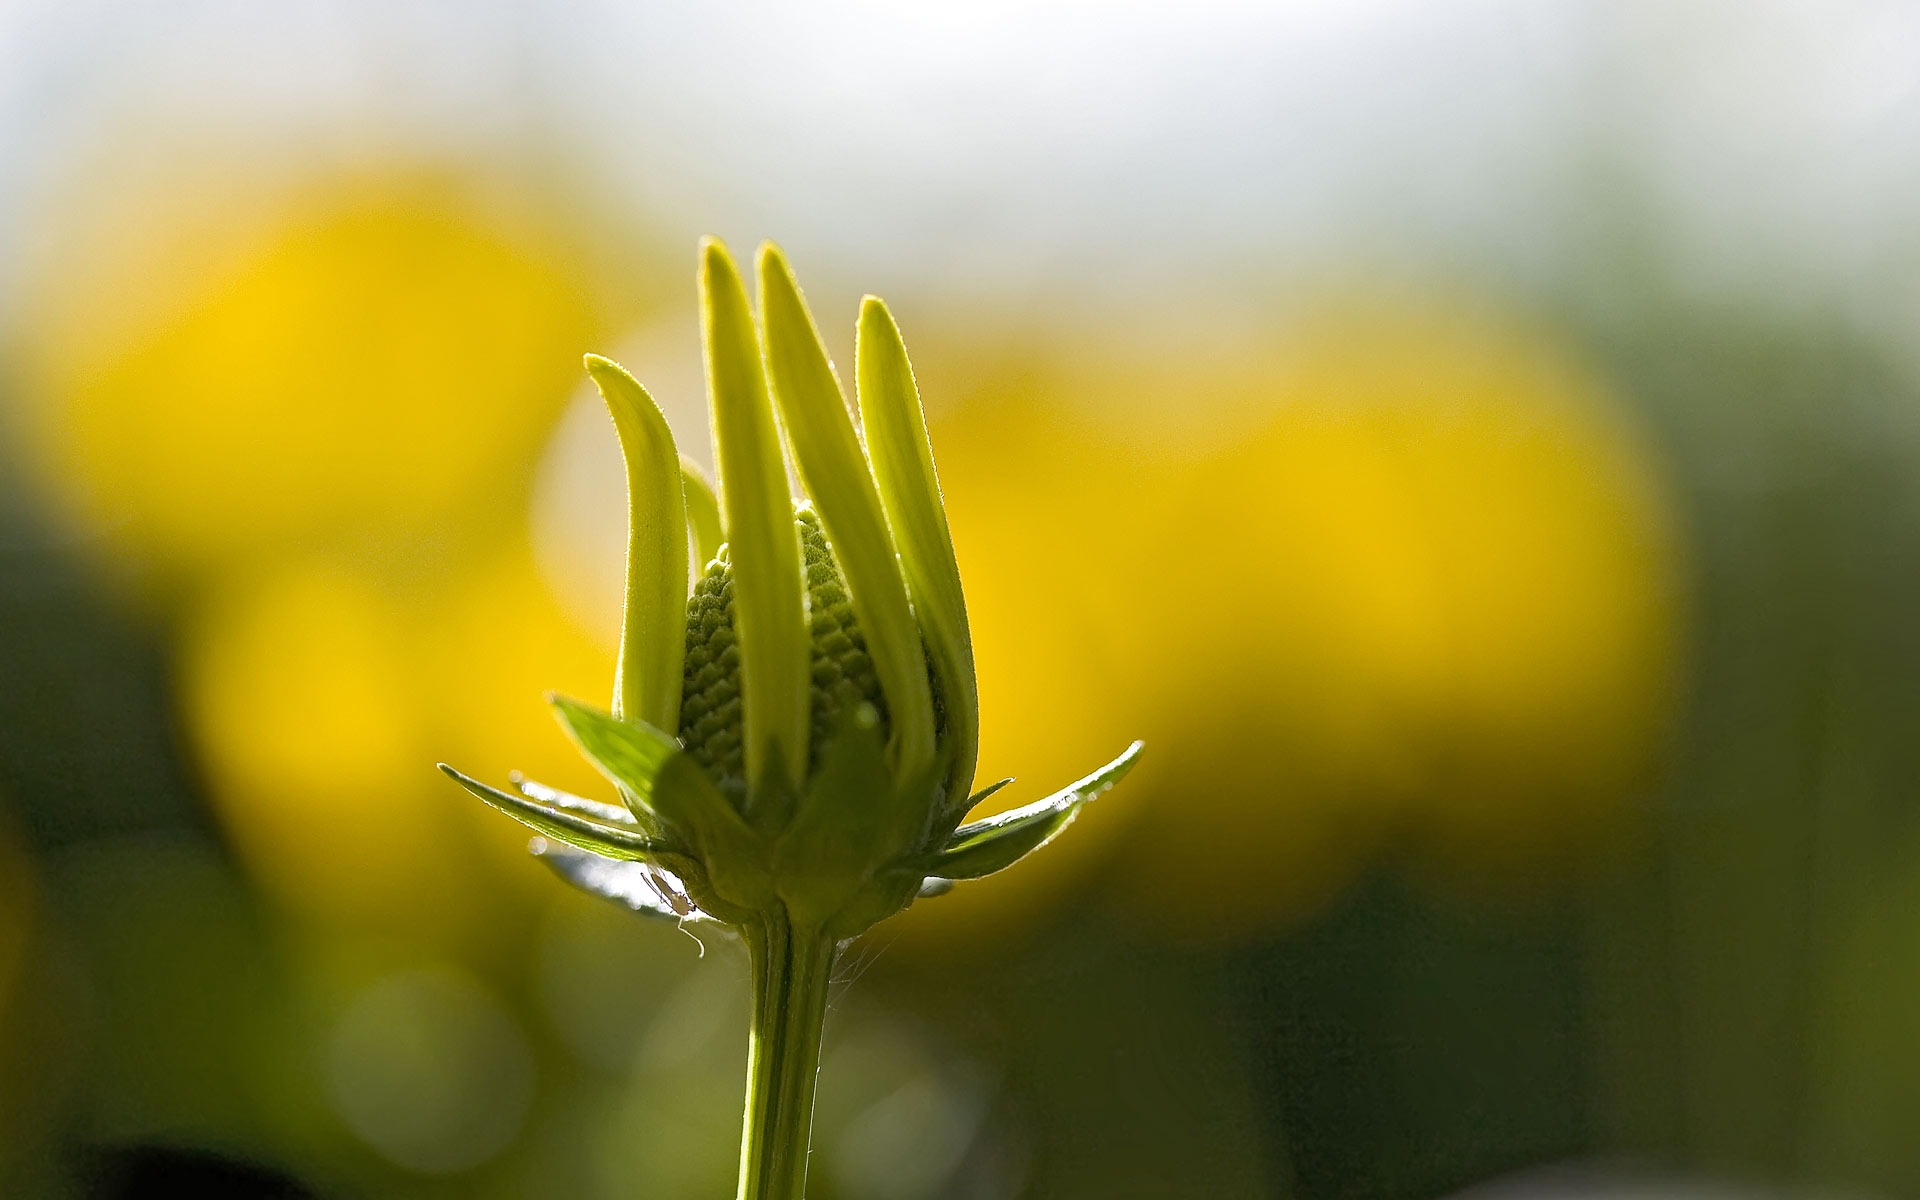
(653, 638)
(902, 456)
(770, 612)
(826, 450)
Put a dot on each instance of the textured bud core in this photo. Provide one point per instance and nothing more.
(842, 674)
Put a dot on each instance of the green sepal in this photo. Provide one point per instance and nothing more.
(553, 796)
(734, 878)
(980, 797)
(604, 838)
(827, 453)
(629, 753)
(996, 843)
(635, 886)
(659, 781)
(829, 850)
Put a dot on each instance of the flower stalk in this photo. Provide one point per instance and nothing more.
(791, 970)
(795, 721)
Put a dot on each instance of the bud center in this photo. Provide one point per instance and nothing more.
(842, 674)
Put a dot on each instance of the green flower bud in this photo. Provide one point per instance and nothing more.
(795, 739)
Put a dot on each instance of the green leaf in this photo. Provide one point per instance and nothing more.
(648, 677)
(576, 829)
(703, 513)
(639, 887)
(770, 615)
(902, 456)
(983, 847)
(826, 450)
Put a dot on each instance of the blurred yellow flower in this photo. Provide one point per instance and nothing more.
(313, 692)
(1402, 578)
(365, 361)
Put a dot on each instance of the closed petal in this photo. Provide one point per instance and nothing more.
(770, 614)
(827, 452)
(653, 641)
(902, 457)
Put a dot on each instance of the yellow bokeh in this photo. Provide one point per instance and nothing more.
(297, 690)
(320, 699)
(1397, 580)
(307, 413)
(362, 361)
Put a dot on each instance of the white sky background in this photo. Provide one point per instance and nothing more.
(989, 148)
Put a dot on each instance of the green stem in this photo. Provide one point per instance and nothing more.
(791, 968)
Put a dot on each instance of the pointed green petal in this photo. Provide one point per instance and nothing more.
(653, 639)
(575, 829)
(832, 466)
(998, 842)
(703, 513)
(910, 491)
(770, 612)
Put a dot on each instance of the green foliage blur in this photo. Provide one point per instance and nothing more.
(1526, 655)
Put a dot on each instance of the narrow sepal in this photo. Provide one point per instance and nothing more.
(770, 615)
(703, 513)
(628, 753)
(639, 887)
(902, 455)
(647, 679)
(980, 797)
(554, 797)
(657, 778)
(827, 853)
(574, 828)
(996, 843)
(834, 469)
